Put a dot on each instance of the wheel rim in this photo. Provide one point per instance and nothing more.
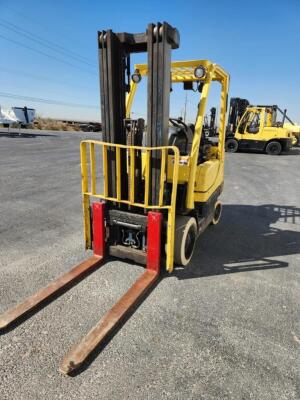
(273, 148)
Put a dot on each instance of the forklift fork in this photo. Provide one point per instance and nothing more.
(80, 352)
(54, 288)
(114, 317)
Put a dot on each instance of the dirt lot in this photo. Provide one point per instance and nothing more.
(226, 327)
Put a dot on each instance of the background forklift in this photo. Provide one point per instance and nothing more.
(257, 128)
(147, 193)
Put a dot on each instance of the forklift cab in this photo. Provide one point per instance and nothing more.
(259, 130)
(186, 135)
(250, 123)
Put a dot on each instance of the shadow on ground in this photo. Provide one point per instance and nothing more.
(245, 240)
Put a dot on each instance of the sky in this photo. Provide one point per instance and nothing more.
(257, 43)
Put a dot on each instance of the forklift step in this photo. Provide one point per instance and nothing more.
(50, 290)
(79, 353)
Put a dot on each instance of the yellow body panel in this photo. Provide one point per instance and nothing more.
(206, 175)
(295, 130)
(218, 183)
(183, 169)
(266, 134)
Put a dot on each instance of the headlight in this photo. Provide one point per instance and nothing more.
(199, 72)
(136, 76)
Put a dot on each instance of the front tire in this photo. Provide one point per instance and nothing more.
(231, 145)
(273, 148)
(185, 239)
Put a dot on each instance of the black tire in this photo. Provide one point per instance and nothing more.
(273, 148)
(185, 239)
(217, 213)
(231, 145)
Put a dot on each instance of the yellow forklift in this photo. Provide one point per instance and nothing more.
(257, 128)
(147, 192)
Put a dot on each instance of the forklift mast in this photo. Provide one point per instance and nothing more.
(115, 75)
(236, 111)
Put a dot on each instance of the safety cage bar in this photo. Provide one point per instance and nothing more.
(90, 179)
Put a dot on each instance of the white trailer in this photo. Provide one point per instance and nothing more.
(22, 116)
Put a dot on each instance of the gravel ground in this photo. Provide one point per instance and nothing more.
(226, 327)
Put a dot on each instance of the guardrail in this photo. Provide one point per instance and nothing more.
(93, 177)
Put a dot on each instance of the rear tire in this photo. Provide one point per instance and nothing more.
(231, 145)
(217, 213)
(185, 239)
(273, 148)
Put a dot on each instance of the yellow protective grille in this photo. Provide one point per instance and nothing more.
(93, 176)
(183, 73)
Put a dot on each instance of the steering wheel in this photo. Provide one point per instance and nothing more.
(177, 122)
